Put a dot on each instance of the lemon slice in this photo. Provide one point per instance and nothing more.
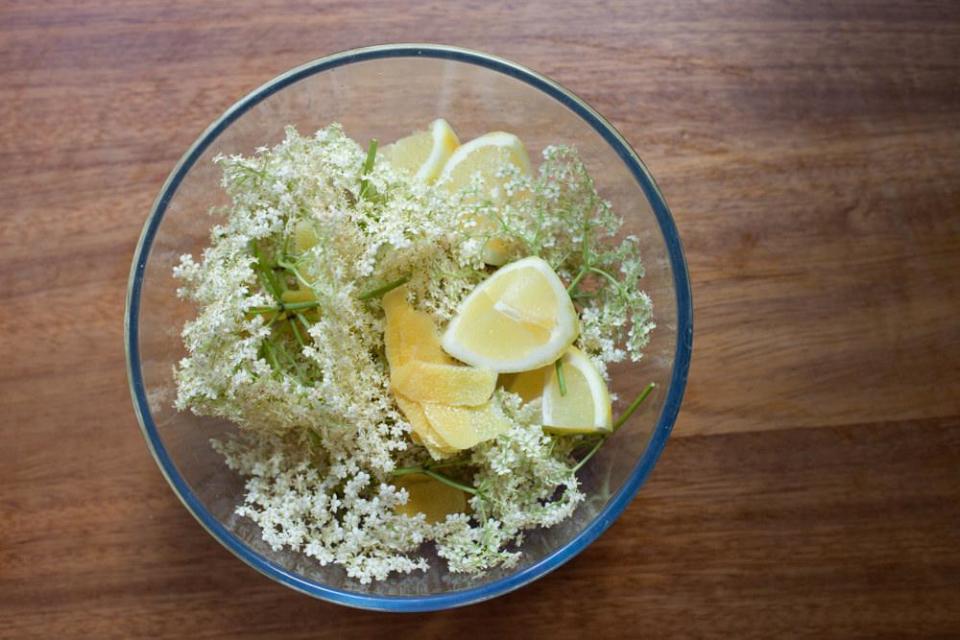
(304, 236)
(443, 383)
(484, 155)
(586, 406)
(528, 384)
(424, 153)
(434, 499)
(518, 319)
(464, 427)
(409, 334)
(423, 431)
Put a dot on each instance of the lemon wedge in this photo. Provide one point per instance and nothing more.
(528, 384)
(485, 156)
(443, 383)
(434, 499)
(464, 427)
(518, 319)
(585, 408)
(424, 153)
(423, 431)
(410, 335)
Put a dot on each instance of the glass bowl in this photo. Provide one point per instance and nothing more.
(385, 92)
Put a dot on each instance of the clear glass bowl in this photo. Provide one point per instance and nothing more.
(385, 92)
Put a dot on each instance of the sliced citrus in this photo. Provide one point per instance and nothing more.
(464, 427)
(518, 319)
(304, 236)
(585, 407)
(486, 156)
(297, 295)
(443, 383)
(424, 153)
(434, 499)
(409, 334)
(422, 429)
(529, 384)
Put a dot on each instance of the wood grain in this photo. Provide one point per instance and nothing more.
(811, 155)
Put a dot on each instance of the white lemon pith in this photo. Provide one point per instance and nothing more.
(424, 153)
(518, 319)
(485, 156)
(585, 407)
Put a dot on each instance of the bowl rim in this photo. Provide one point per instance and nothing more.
(615, 506)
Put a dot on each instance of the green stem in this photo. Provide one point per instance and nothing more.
(264, 273)
(633, 406)
(439, 477)
(379, 291)
(286, 306)
(590, 454)
(303, 320)
(297, 306)
(296, 334)
(561, 380)
(616, 425)
(296, 273)
(271, 356)
(580, 274)
(606, 274)
(367, 168)
(404, 471)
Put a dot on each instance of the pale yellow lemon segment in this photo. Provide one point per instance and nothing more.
(518, 319)
(297, 295)
(422, 428)
(409, 334)
(443, 383)
(585, 408)
(434, 499)
(485, 156)
(464, 427)
(529, 384)
(424, 153)
(304, 236)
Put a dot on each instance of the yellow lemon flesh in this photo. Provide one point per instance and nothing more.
(410, 335)
(464, 427)
(585, 408)
(518, 319)
(485, 156)
(423, 430)
(448, 405)
(529, 384)
(424, 153)
(443, 383)
(434, 499)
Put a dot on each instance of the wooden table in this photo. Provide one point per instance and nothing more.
(811, 155)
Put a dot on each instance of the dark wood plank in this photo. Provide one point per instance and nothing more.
(832, 532)
(811, 154)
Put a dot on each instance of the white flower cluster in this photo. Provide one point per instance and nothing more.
(314, 223)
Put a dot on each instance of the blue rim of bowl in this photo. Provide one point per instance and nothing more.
(613, 508)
